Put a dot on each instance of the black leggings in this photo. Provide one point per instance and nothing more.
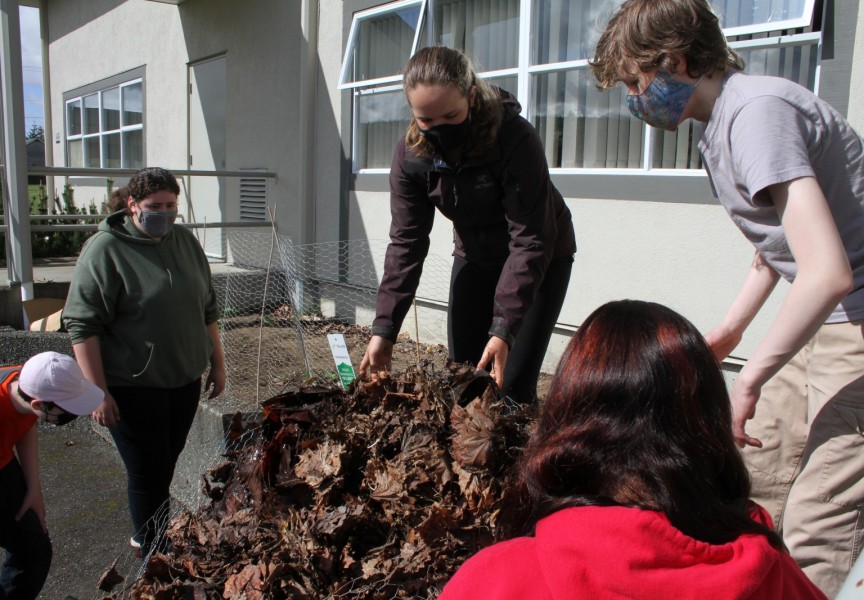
(154, 424)
(469, 318)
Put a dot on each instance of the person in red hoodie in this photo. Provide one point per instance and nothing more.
(632, 485)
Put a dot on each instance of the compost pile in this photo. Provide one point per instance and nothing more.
(376, 493)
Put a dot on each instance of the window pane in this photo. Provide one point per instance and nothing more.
(91, 152)
(382, 45)
(73, 118)
(743, 13)
(563, 30)
(133, 111)
(91, 113)
(74, 154)
(678, 149)
(383, 119)
(509, 83)
(133, 149)
(582, 127)
(486, 30)
(111, 109)
(111, 151)
(797, 63)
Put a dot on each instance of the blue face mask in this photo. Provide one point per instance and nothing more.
(662, 103)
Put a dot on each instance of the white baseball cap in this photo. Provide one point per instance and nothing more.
(57, 378)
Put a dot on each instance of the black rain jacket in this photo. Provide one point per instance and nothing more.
(507, 216)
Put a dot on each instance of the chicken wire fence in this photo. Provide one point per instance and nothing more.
(279, 301)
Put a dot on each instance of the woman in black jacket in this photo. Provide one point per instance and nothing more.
(468, 153)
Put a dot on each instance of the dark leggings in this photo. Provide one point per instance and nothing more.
(28, 548)
(154, 424)
(469, 317)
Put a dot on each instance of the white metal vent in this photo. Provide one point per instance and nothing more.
(253, 199)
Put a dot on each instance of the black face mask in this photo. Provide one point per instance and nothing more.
(448, 136)
(56, 415)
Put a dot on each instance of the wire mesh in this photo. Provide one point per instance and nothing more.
(279, 301)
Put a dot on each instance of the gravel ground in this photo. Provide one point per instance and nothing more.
(84, 485)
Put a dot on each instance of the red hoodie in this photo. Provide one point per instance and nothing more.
(627, 553)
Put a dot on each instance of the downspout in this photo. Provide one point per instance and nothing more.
(19, 257)
(308, 117)
(306, 293)
(46, 103)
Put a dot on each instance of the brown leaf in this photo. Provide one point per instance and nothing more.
(319, 463)
(472, 438)
(385, 481)
(245, 585)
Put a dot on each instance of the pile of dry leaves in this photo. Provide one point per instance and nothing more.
(376, 493)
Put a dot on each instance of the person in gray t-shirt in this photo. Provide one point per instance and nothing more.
(789, 170)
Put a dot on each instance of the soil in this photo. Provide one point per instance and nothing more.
(266, 361)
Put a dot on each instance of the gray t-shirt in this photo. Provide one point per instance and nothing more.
(768, 130)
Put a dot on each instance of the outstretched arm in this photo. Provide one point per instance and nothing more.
(824, 278)
(760, 281)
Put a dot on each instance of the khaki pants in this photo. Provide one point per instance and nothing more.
(809, 474)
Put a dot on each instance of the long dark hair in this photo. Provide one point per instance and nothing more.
(439, 65)
(638, 415)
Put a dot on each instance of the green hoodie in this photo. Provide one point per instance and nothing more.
(148, 301)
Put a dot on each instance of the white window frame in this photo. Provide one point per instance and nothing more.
(353, 39)
(102, 132)
(524, 72)
(805, 19)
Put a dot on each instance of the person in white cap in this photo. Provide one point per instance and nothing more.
(49, 386)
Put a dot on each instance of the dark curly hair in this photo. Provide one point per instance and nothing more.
(150, 180)
(118, 199)
(638, 415)
(642, 34)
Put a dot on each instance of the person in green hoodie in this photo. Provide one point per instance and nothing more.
(142, 317)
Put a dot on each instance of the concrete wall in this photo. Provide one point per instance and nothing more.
(91, 40)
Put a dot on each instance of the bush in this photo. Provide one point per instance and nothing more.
(49, 244)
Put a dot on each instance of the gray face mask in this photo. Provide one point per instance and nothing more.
(156, 223)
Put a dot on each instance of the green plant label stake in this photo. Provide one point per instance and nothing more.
(342, 359)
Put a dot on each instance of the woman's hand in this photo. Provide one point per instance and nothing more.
(107, 413)
(378, 358)
(495, 354)
(216, 379)
(218, 374)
